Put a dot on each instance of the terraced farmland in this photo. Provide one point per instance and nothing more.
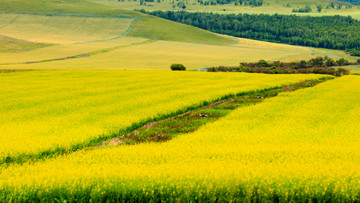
(261, 152)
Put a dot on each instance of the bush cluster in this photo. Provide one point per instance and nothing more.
(178, 67)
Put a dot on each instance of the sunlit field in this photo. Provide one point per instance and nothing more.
(261, 152)
(59, 109)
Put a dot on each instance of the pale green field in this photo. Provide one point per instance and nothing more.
(62, 29)
(48, 110)
(297, 147)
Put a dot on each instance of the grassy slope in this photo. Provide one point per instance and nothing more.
(178, 32)
(62, 29)
(8, 44)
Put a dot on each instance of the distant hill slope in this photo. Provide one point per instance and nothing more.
(146, 26)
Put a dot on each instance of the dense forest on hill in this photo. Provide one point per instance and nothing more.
(332, 32)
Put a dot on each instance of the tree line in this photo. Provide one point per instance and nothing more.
(332, 32)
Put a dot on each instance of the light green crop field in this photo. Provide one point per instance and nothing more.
(297, 147)
(60, 109)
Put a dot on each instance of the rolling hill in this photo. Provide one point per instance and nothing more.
(85, 34)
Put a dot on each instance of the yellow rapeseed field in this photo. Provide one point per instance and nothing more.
(300, 146)
(51, 110)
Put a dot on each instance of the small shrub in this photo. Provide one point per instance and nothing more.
(178, 67)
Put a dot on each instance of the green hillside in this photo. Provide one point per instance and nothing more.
(146, 26)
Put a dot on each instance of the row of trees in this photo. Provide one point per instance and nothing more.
(318, 65)
(332, 32)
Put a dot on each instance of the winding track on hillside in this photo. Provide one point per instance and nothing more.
(83, 55)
